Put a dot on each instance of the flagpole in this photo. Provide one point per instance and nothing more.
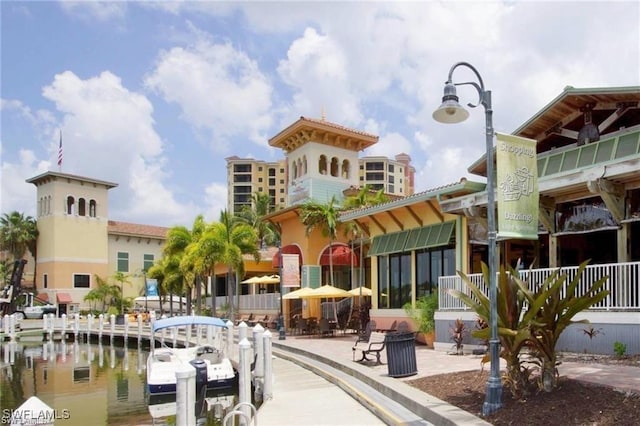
(60, 153)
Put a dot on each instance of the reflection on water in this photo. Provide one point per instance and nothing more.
(96, 384)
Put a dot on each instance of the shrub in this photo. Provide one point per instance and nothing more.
(536, 325)
(458, 330)
(620, 349)
(424, 313)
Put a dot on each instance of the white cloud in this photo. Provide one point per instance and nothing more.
(216, 200)
(108, 133)
(16, 194)
(375, 66)
(219, 89)
(389, 145)
(96, 10)
(316, 69)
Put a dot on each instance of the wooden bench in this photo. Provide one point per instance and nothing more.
(374, 345)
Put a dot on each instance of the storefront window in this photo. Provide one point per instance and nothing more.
(432, 264)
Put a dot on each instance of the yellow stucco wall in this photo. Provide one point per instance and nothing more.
(136, 247)
(402, 219)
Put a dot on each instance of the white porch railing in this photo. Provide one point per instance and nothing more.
(623, 283)
(252, 302)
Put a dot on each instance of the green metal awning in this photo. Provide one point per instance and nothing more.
(388, 243)
(430, 236)
(415, 239)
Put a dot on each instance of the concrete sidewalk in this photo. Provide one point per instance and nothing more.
(317, 382)
(301, 397)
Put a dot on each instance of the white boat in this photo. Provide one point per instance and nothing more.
(163, 362)
(165, 405)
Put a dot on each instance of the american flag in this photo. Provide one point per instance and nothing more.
(60, 151)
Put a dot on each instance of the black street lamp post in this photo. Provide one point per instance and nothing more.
(282, 334)
(452, 112)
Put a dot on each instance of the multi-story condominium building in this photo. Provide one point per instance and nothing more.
(394, 177)
(282, 179)
(246, 176)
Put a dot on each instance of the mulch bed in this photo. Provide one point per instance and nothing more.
(573, 403)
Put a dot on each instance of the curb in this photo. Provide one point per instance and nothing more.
(423, 406)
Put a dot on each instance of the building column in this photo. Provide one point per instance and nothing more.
(553, 251)
(623, 242)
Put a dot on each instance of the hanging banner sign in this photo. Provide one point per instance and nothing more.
(517, 187)
(290, 270)
(151, 287)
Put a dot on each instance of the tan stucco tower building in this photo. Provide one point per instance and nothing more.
(72, 225)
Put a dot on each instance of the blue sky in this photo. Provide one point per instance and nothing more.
(154, 96)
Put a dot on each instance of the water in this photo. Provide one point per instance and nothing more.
(93, 384)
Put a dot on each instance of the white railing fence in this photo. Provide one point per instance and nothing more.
(623, 283)
(251, 302)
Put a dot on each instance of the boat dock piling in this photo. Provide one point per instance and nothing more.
(255, 349)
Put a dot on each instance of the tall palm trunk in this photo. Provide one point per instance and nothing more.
(213, 295)
(331, 262)
(231, 293)
(198, 284)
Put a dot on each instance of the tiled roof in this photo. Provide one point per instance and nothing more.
(265, 255)
(46, 176)
(463, 184)
(337, 126)
(138, 230)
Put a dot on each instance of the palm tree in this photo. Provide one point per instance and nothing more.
(19, 233)
(365, 197)
(178, 239)
(157, 272)
(268, 234)
(122, 279)
(324, 217)
(226, 242)
(172, 278)
(102, 292)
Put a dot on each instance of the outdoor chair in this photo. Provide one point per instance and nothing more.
(325, 328)
(312, 325)
(245, 318)
(302, 326)
(260, 321)
(352, 325)
(270, 321)
(403, 327)
(391, 328)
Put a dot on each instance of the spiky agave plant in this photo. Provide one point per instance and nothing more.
(554, 305)
(514, 324)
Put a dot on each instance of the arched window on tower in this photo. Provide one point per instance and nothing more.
(334, 166)
(345, 169)
(322, 165)
(304, 164)
(300, 172)
(295, 169)
(82, 206)
(92, 208)
(70, 207)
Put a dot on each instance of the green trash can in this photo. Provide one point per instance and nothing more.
(401, 354)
